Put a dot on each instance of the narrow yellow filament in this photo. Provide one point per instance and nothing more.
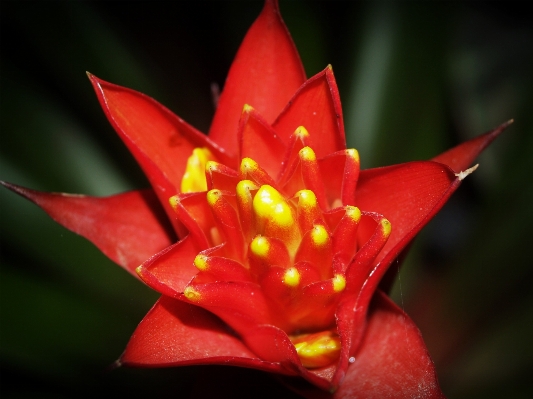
(193, 179)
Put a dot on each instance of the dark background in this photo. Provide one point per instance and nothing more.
(415, 78)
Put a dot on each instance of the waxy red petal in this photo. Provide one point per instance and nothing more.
(174, 333)
(171, 268)
(128, 227)
(317, 107)
(160, 141)
(393, 361)
(408, 195)
(241, 305)
(265, 74)
(257, 140)
(462, 156)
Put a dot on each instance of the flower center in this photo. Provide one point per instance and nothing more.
(283, 258)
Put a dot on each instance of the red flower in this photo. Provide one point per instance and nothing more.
(278, 263)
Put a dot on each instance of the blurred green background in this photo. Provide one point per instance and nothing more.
(415, 79)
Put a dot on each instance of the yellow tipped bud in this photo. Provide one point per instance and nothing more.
(353, 212)
(248, 165)
(317, 350)
(213, 196)
(201, 262)
(291, 277)
(319, 235)
(247, 108)
(194, 177)
(353, 153)
(270, 205)
(260, 246)
(339, 283)
(191, 294)
(301, 132)
(306, 198)
(307, 154)
(174, 201)
(244, 187)
(386, 227)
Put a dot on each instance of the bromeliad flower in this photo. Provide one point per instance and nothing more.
(282, 240)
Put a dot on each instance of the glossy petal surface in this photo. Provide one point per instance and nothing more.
(160, 141)
(393, 361)
(127, 227)
(265, 74)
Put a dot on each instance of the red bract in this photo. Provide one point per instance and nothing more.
(282, 240)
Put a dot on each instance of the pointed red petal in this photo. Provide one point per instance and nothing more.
(225, 299)
(462, 156)
(408, 195)
(259, 141)
(265, 74)
(317, 107)
(175, 333)
(128, 228)
(171, 268)
(393, 361)
(159, 140)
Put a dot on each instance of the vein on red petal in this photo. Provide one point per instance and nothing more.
(316, 106)
(128, 227)
(265, 74)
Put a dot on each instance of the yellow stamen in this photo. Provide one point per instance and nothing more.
(386, 227)
(201, 262)
(317, 350)
(191, 294)
(270, 205)
(353, 212)
(307, 154)
(248, 165)
(247, 108)
(339, 283)
(260, 246)
(243, 190)
(306, 198)
(319, 235)
(213, 196)
(353, 153)
(174, 201)
(301, 132)
(291, 277)
(194, 177)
